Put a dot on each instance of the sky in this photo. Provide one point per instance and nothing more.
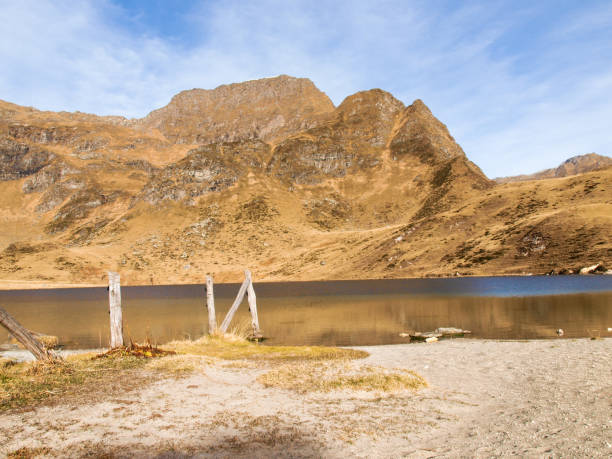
(521, 85)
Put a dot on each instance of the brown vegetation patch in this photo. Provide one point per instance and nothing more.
(135, 350)
(326, 377)
(256, 210)
(30, 383)
(329, 212)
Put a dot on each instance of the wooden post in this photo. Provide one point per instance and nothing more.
(253, 308)
(210, 304)
(116, 319)
(237, 301)
(25, 337)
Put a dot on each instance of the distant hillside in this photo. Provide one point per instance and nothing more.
(572, 166)
(269, 174)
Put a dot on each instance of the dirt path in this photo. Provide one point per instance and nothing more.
(485, 398)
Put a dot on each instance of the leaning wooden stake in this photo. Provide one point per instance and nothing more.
(25, 337)
(237, 301)
(253, 308)
(210, 304)
(116, 318)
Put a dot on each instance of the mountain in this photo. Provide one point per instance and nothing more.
(269, 175)
(265, 109)
(572, 166)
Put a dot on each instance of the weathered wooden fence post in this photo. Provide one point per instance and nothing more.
(116, 318)
(210, 305)
(253, 308)
(25, 337)
(237, 301)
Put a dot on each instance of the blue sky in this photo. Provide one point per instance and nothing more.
(521, 85)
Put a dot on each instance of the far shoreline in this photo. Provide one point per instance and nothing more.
(15, 285)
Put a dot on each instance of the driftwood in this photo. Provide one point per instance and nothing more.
(210, 305)
(442, 332)
(25, 337)
(49, 341)
(452, 332)
(237, 301)
(116, 319)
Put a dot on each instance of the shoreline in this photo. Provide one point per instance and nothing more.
(16, 285)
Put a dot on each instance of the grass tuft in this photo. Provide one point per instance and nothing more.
(179, 365)
(232, 347)
(330, 377)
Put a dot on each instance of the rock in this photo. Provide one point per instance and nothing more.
(592, 269)
(608, 272)
(431, 339)
(560, 332)
(205, 169)
(261, 109)
(405, 335)
(418, 336)
(18, 160)
(323, 263)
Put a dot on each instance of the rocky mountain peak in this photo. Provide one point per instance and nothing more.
(263, 109)
(373, 103)
(579, 164)
(423, 135)
(582, 163)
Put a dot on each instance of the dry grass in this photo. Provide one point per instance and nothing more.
(23, 384)
(326, 377)
(179, 365)
(27, 453)
(29, 383)
(232, 347)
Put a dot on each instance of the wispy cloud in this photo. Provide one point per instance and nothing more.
(521, 85)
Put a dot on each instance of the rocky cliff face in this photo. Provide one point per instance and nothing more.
(264, 109)
(206, 169)
(269, 174)
(18, 160)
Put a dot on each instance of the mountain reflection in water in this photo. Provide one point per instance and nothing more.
(331, 313)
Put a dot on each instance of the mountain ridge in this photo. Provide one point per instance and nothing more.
(578, 164)
(212, 183)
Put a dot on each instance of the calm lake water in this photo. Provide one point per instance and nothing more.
(330, 313)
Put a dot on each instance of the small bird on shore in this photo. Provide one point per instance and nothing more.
(560, 332)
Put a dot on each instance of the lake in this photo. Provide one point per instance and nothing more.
(330, 313)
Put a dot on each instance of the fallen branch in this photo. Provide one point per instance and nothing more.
(25, 337)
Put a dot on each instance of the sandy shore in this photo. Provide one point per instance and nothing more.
(549, 398)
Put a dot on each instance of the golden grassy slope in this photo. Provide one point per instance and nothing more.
(374, 189)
